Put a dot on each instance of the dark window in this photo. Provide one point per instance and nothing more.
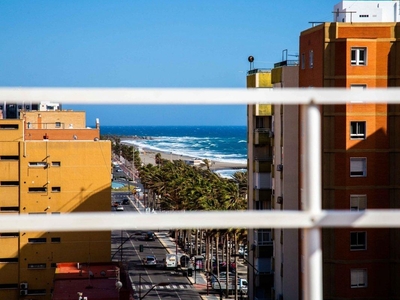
(56, 240)
(357, 130)
(37, 189)
(58, 124)
(8, 260)
(37, 240)
(8, 126)
(9, 157)
(8, 285)
(9, 183)
(56, 189)
(358, 240)
(37, 266)
(56, 163)
(9, 208)
(9, 234)
(259, 122)
(37, 292)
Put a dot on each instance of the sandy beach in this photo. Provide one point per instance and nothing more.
(148, 157)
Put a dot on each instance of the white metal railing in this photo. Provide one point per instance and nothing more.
(311, 219)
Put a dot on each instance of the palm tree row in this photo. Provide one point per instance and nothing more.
(176, 185)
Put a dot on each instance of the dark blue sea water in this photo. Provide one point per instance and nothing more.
(216, 143)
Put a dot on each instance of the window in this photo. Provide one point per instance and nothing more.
(56, 240)
(311, 59)
(8, 126)
(42, 164)
(56, 189)
(37, 189)
(303, 61)
(8, 260)
(358, 167)
(264, 237)
(358, 202)
(9, 234)
(9, 286)
(358, 240)
(37, 292)
(9, 183)
(37, 240)
(358, 278)
(55, 163)
(357, 130)
(9, 208)
(259, 122)
(358, 56)
(9, 157)
(37, 266)
(58, 124)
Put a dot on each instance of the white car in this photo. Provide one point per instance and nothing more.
(150, 260)
(119, 208)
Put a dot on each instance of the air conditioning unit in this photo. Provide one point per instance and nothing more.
(23, 292)
(279, 199)
(279, 167)
(23, 286)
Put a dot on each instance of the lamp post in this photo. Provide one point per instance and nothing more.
(250, 264)
(219, 283)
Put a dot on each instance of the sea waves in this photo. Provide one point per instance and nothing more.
(216, 143)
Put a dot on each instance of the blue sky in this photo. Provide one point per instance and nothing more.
(150, 43)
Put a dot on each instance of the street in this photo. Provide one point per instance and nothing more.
(154, 280)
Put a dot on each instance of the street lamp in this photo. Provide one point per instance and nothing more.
(210, 274)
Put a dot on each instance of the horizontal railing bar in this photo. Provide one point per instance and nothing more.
(374, 218)
(208, 96)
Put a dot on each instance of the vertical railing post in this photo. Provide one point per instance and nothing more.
(312, 251)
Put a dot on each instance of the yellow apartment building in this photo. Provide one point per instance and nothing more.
(50, 163)
(273, 185)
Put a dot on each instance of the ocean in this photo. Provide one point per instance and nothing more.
(217, 143)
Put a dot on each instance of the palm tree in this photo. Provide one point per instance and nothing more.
(157, 159)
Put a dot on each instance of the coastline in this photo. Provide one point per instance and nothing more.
(148, 157)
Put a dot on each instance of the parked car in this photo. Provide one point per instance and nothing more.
(223, 268)
(126, 201)
(119, 208)
(150, 261)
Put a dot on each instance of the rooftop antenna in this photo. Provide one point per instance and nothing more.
(251, 61)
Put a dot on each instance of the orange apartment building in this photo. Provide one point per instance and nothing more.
(360, 153)
(50, 163)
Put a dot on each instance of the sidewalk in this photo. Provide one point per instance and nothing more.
(198, 279)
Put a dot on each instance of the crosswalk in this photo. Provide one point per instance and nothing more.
(167, 287)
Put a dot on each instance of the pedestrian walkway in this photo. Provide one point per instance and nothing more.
(198, 280)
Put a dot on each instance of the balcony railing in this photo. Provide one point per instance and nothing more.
(312, 218)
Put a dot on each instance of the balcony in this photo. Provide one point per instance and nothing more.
(263, 165)
(262, 195)
(262, 136)
(262, 181)
(263, 110)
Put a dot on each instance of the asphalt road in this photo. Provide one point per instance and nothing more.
(144, 278)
